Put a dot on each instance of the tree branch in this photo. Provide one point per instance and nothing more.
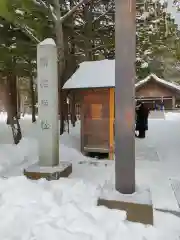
(28, 33)
(101, 46)
(73, 10)
(102, 15)
(95, 48)
(48, 8)
(81, 35)
(68, 14)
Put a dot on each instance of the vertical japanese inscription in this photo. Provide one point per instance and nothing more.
(44, 84)
(45, 125)
(43, 62)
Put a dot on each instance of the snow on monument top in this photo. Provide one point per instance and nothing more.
(48, 41)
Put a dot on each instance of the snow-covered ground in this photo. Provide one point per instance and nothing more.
(173, 116)
(66, 209)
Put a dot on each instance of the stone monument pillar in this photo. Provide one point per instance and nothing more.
(49, 166)
(47, 71)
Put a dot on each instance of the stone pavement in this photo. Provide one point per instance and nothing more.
(158, 162)
(145, 151)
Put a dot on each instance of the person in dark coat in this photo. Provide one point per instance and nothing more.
(142, 114)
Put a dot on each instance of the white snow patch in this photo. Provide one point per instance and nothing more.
(141, 196)
(13, 155)
(64, 209)
(20, 12)
(3, 117)
(37, 168)
(93, 74)
(144, 65)
(173, 116)
(145, 15)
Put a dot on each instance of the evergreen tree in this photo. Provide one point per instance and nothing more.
(11, 43)
(157, 40)
(79, 28)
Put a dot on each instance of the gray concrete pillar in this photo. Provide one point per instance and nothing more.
(125, 96)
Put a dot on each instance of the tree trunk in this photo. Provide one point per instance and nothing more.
(12, 94)
(72, 53)
(89, 43)
(11, 108)
(33, 100)
(18, 105)
(18, 99)
(23, 105)
(73, 110)
(61, 61)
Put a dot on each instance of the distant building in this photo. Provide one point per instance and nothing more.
(158, 93)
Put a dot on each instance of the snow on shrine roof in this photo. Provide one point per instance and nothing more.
(159, 80)
(93, 74)
(99, 74)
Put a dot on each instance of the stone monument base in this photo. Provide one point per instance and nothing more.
(35, 172)
(138, 206)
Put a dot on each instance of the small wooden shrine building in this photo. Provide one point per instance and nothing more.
(94, 84)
